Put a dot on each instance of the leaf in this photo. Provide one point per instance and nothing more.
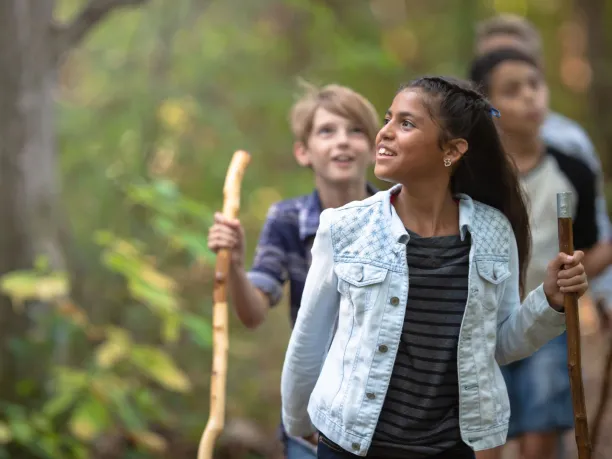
(5, 433)
(151, 441)
(89, 419)
(166, 189)
(22, 431)
(160, 367)
(27, 285)
(124, 408)
(68, 385)
(60, 403)
(199, 329)
(159, 300)
(171, 327)
(113, 349)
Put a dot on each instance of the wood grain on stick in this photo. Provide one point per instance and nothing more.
(572, 321)
(218, 378)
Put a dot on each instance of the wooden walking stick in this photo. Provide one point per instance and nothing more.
(572, 321)
(216, 418)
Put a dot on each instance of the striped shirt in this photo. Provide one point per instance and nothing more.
(420, 414)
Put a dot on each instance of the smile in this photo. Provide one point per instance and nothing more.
(382, 151)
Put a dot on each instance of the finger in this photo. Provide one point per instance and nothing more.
(231, 222)
(222, 241)
(579, 288)
(556, 264)
(223, 229)
(569, 272)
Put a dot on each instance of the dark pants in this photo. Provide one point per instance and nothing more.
(329, 450)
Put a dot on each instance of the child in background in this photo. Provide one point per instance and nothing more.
(414, 295)
(540, 397)
(334, 129)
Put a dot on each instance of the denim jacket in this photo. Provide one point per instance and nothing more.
(343, 347)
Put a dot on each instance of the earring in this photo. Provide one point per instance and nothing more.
(447, 162)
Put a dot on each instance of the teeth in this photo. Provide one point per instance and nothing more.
(384, 152)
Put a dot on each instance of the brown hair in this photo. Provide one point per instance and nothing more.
(514, 25)
(339, 100)
(485, 172)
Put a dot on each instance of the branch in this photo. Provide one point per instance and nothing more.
(68, 36)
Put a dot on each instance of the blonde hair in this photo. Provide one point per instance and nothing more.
(514, 25)
(336, 99)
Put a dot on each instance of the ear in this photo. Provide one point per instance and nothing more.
(301, 154)
(455, 149)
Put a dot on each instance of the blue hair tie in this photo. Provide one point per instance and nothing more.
(495, 112)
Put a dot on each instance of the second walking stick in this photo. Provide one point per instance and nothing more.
(572, 321)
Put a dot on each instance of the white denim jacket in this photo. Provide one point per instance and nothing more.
(343, 347)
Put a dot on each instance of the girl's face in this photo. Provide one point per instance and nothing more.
(519, 92)
(407, 146)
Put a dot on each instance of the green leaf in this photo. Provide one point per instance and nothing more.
(200, 330)
(26, 285)
(126, 412)
(166, 188)
(114, 349)
(171, 327)
(160, 367)
(89, 419)
(5, 433)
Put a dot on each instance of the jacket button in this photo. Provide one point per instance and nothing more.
(395, 301)
(383, 348)
(370, 396)
(355, 446)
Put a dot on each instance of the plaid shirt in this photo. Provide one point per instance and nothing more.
(283, 251)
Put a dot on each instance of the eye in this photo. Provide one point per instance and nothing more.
(407, 124)
(325, 130)
(386, 120)
(356, 130)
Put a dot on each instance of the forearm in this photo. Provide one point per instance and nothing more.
(528, 328)
(597, 259)
(251, 304)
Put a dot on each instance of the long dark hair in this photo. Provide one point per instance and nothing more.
(485, 172)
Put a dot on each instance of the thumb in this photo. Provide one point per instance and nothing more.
(560, 260)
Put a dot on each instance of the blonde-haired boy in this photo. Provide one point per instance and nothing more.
(334, 131)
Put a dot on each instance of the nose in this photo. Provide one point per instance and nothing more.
(386, 132)
(342, 137)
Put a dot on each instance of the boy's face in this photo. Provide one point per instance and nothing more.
(337, 150)
(519, 92)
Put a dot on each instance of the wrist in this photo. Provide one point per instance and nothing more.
(556, 306)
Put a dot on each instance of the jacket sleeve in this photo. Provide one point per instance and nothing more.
(311, 335)
(523, 328)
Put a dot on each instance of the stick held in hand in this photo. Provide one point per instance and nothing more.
(572, 321)
(231, 206)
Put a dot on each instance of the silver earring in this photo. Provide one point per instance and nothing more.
(447, 162)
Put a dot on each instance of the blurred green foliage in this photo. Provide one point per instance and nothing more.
(150, 110)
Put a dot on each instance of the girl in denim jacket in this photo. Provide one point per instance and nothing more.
(414, 296)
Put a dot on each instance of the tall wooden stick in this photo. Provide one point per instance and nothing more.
(216, 418)
(572, 320)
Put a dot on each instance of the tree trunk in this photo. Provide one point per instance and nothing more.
(600, 99)
(29, 185)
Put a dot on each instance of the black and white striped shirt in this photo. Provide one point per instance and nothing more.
(420, 414)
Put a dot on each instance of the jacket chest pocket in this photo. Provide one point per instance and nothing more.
(360, 283)
(492, 274)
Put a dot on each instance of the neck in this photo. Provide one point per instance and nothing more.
(337, 195)
(428, 210)
(526, 151)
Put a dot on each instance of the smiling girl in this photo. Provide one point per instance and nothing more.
(413, 297)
